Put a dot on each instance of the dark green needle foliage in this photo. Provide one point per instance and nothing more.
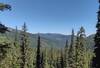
(96, 59)
(17, 53)
(80, 48)
(43, 60)
(3, 50)
(66, 49)
(62, 60)
(38, 54)
(71, 53)
(24, 47)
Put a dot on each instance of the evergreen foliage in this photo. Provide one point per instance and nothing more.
(71, 56)
(38, 56)
(16, 52)
(66, 49)
(96, 59)
(24, 46)
(80, 48)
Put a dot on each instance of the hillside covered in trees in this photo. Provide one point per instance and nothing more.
(49, 39)
(20, 49)
(45, 50)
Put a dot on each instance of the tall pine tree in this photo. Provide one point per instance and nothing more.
(66, 49)
(96, 59)
(62, 63)
(51, 58)
(24, 47)
(15, 51)
(71, 52)
(42, 60)
(38, 54)
(80, 48)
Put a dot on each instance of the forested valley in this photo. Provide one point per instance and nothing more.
(21, 49)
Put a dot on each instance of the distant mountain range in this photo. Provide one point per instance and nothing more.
(50, 39)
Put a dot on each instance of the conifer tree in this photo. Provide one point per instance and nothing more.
(57, 62)
(58, 59)
(24, 47)
(62, 59)
(46, 58)
(80, 49)
(42, 60)
(96, 59)
(15, 51)
(38, 54)
(66, 49)
(16, 37)
(71, 52)
(51, 58)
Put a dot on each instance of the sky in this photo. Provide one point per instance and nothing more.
(51, 16)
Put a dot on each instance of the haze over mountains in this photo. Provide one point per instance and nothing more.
(50, 39)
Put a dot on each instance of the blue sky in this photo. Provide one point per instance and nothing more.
(51, 16)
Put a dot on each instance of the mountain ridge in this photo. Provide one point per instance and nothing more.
(55, 40)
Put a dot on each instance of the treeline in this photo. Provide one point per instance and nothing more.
(19, 54)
